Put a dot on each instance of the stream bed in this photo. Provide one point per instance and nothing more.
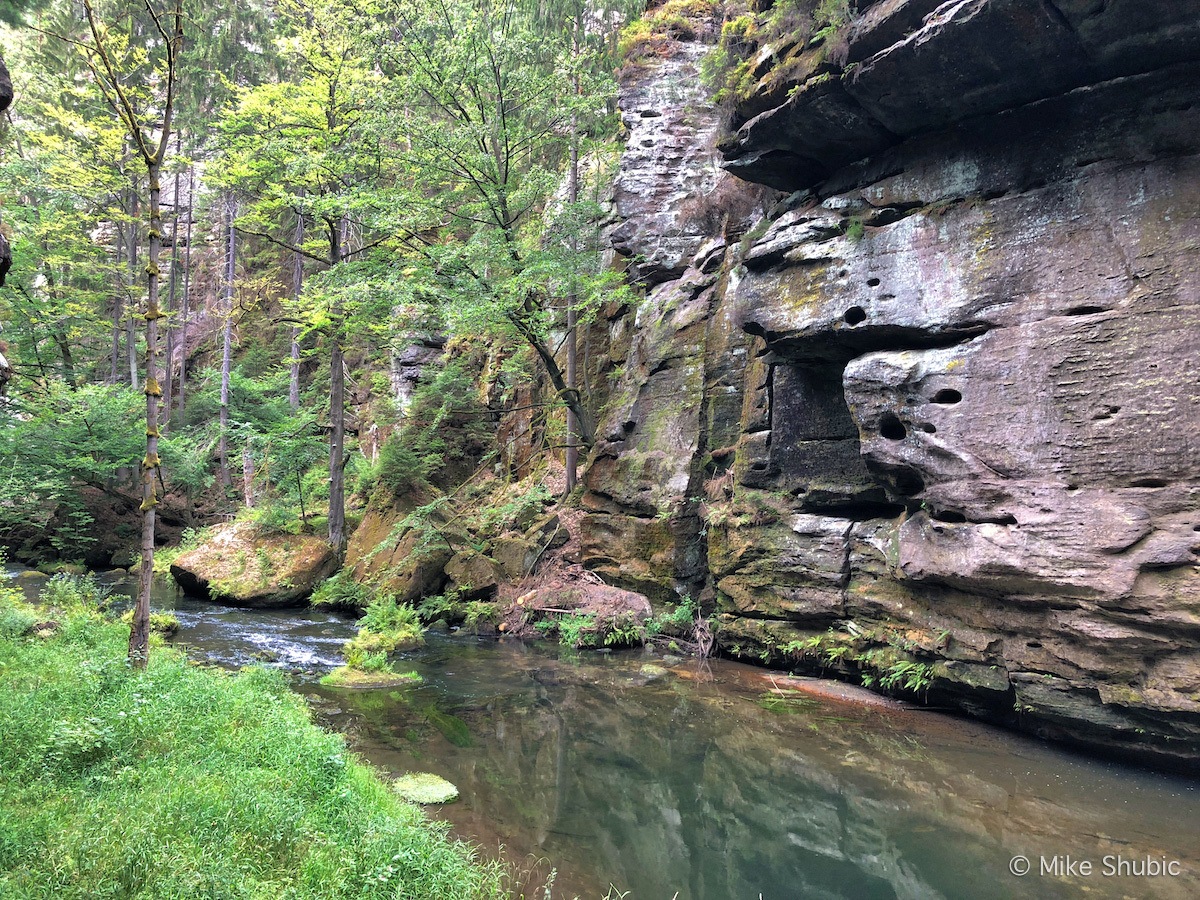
(658, 777)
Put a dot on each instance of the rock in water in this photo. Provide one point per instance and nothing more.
(238, 565)
(425, 788)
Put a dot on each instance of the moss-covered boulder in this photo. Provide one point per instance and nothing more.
(474, 575)
(425, 788)
(407, 562)
(241, 566)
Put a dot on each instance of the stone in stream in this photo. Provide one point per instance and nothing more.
(425, 788)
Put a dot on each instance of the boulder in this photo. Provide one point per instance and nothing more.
(239, 566)
(474, 574)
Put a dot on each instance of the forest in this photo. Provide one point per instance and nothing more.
(235, 217)
(693, 449)
(222, 224)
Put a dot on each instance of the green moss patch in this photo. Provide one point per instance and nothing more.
(348, 677)
(424, 788)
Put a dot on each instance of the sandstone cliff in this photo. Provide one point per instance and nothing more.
(932, 418)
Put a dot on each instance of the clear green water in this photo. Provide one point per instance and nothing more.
(666, 779)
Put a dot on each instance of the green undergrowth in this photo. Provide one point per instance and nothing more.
(187, 782)
(680, 628)
(883, 659)
(386, 627)
(785, 30)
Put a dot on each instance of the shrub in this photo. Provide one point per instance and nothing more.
(16, 616)
(74, 593)
(385, 628)
(342, 592)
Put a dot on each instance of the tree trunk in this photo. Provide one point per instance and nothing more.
(337, 411)
(118, 308)
(337, 445)
(227, 347)
(572, 455)
(230, 272)
(248, 475)
(169, 367)
(187, 284)
(139, 632)
(132, 258)
(297, 288)
(569, 396)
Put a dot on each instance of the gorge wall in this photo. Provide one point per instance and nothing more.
(912, 394)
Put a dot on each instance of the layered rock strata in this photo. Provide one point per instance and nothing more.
(935, 419)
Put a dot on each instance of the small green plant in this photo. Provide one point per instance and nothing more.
(674, 622)
(162, 623)
(266, 565)
(386, 627)
(481, 613)
(74, 745)
(75, 593)
(855, 229)
(448, 606)
(579, 630)
(906, 674)
(270, 518)
(624, 631)
(17, 617)
(342, 592)
(384, 614)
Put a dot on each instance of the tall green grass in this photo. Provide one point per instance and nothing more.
(182, 782)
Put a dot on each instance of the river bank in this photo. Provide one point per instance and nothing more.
(187, 781)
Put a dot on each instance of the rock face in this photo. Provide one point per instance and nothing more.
(237, 566)
(939, 407)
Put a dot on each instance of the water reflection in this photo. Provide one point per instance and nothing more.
(666, 781)
(622, 769)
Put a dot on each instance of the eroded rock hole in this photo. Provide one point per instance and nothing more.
(872, 282)
(1085, 310)
(949, 515)
(947, 397)
(1149, 483)
(892, 428)
(928, 428)
(855, 315)
(908, 482)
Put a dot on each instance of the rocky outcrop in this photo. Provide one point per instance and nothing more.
(240, 566)
(681, 372)
(6, 88)
(914, 66)
(937, 410)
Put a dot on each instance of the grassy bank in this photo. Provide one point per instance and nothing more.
(187, 782)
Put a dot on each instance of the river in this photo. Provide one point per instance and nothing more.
(653, 777)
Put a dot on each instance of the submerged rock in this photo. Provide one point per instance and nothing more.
(238, 565)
